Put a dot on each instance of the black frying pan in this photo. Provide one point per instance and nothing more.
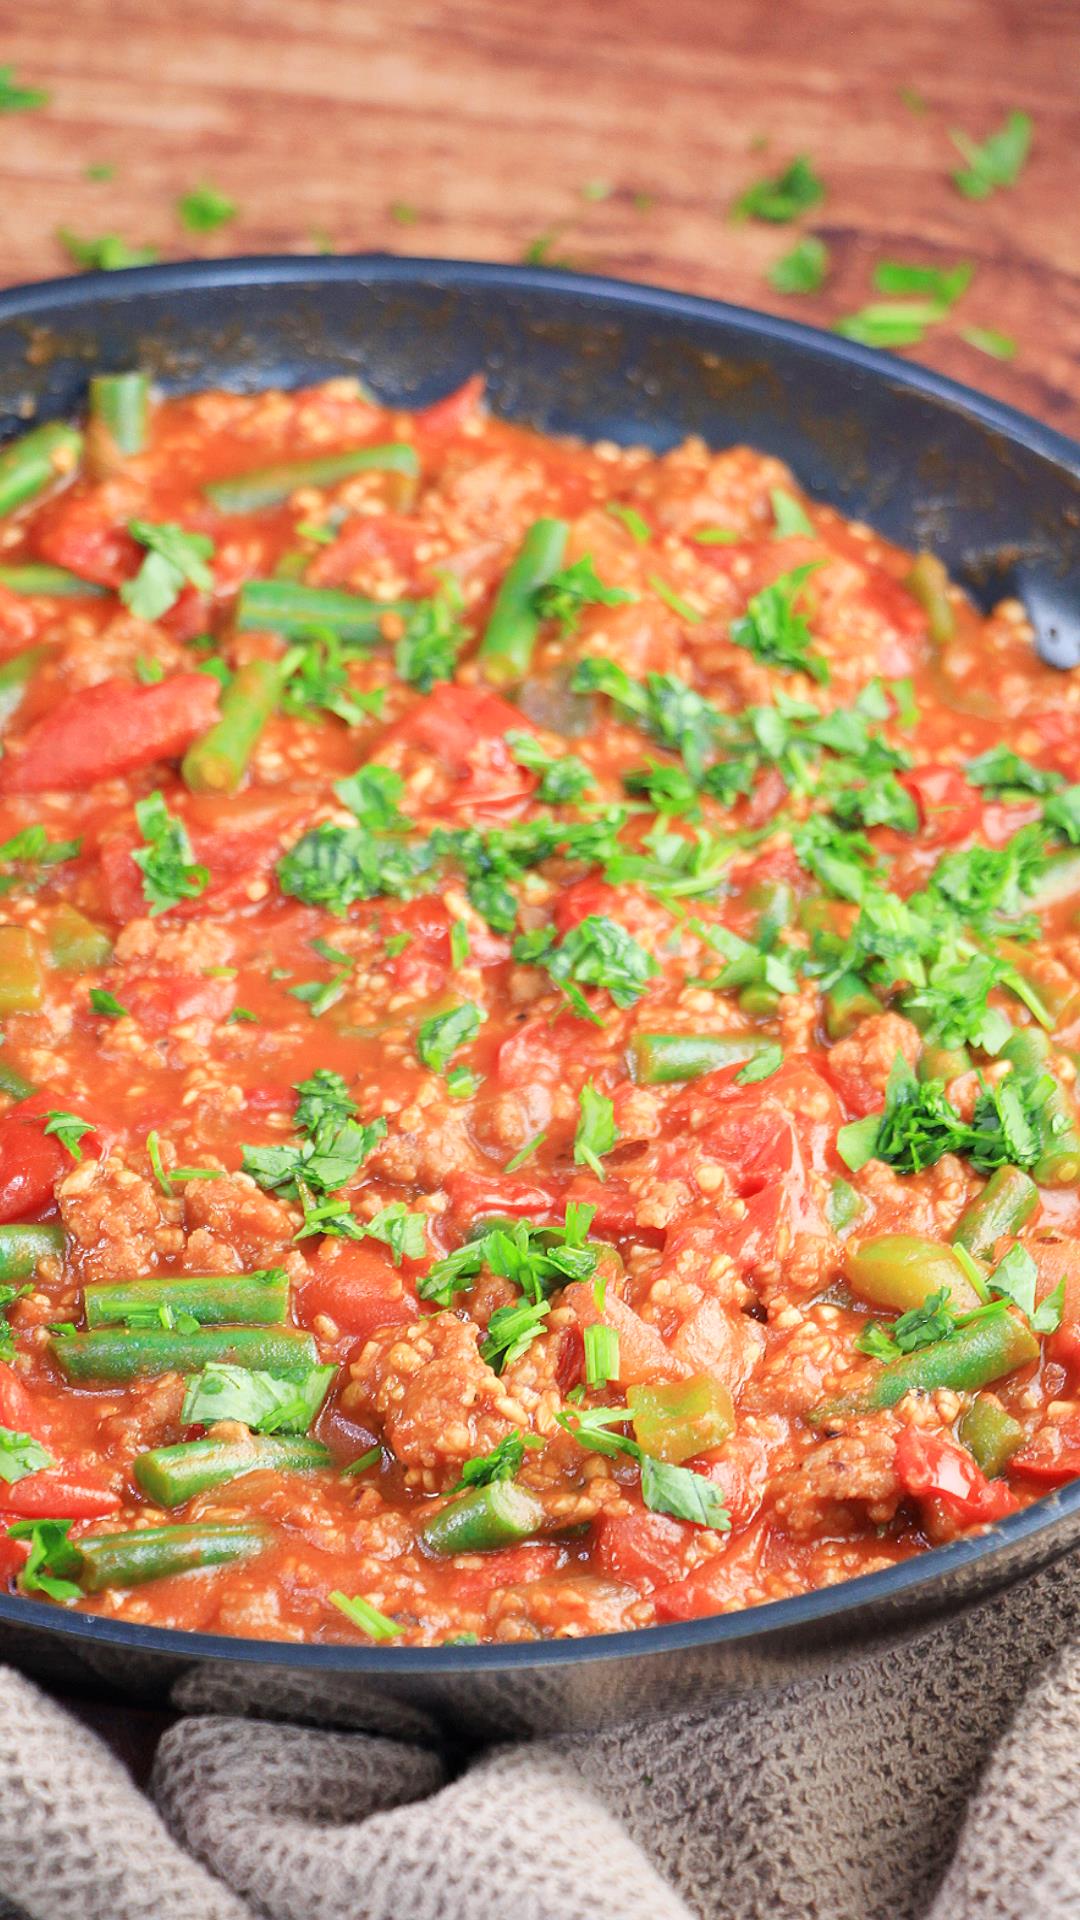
(928, 462)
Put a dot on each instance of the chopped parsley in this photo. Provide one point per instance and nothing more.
(638, 529)
(675, 601)
(377, 1626)
(678, 1491)
(170, 872)
(262, 1401)
(20, 1455)
(989, 340)
(29, 854)
(565, 596)
(563, 777)
(921, 1327)
(596, 1130)
(511, 1331)
(19, 99)
(775, 632)
(762, 1066)
(403, 1232)
(783, 198)
(535, 1259)
(790, 518)
(601, 1344)
(997, 162)
(526, 1152)
(105, 253)
(944, 285)
(434, 636)
(440, 1037)
(68, 1129)
(804, 269)
(174, 559)
(205, 209)
(504, 1462)
(52, 1558)
(596, 952)
(891, 323)
(8, 1297)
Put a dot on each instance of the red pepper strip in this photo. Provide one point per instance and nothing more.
(929, 1467)
(56, 1494)
(111, 729)
(1053, 1456)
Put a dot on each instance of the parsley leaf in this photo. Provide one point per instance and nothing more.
(596, 952)
(18, 99)
(775, 632)
(563, 777)
(372, 794)
(69, 1130)
(205, 209)
(511, 1331)
(1000, 770)
(919, 1327)
(997, 162)
(943, 285)
(262, 1401)
(440, 1037)
(378, 1626)
(989, 340)
(51, 1559)
(565, 596)
(403, 1232)
(684, 1494)
(434, 636)
(804, 269)
(324, 1101)
(170, 873)
(596, 1130)
(890, 323)
(762, 1066)
(504, 1462)
(335, 866)
(21, 1454)
(107, 253)
(779, 200)
(175, 558)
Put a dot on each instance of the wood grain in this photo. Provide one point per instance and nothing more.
(488, 116)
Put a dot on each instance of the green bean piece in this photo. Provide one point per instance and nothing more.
(1027, 1049)
(133, 1353)
(118, 408)
(986, 1349)
(1058, 1164)
(942, 1063)
(272, 486)
(15, 676)
(217, 762)
(153, 1553)
(173, 1475)
(75, 944)
(213, 1299)
(498, 1515)
(819, 915)
(28, 465)
(290, 608)
(898, 1271)
(759, 999)
(36, 576)
(1008, 1199)
(660, 1058)
(677, 1419)
(929, 582)
(13, 1083)
(22, 977)
(506, 650)
(24, 1245)
(990, 1434)
(847, 1002)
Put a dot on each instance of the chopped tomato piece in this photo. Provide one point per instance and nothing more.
(19, 1409)
(645, 1549)
(31, 1163)
(504, 1567)
(109, 729)
(61, 1493)
(949, 809)
(1053, 1455)
(454, 410)
(364, 540)
(18, 622)
(77, 531)
(930, 1467)
(358, 1287)
(473, 1196)
(585, 897)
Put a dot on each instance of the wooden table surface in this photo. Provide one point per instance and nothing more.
(487, 118)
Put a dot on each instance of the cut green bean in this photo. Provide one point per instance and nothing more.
(989, 1347)
(118, 408)
(506, 650)
(759, 999)
(75, 944)
(774, 901)
(214, 1299)
(35, 576)
(1008, 1199)
(22, 976)
(290, 608)
(153, 1553)
(217, 762)
(898, 1271)
(24, 1245)
(15, 676)
(661, 1058)
(498, 1515)
(990, 1434)
(847, 1002)
(28, 465)
(942, 1063)
(133, 1353)
(13, 1083)
(1058, 1164)
(173, 1475)
(929, 582)
(1027, 1049)
(272, 486)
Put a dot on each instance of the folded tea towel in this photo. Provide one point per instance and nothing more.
(938, 1779)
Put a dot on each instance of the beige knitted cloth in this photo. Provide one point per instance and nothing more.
(938, 1781)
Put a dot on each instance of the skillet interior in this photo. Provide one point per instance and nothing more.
(928, 462)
